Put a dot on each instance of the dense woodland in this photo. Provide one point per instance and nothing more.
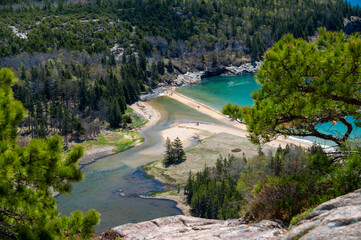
(212, 193)
(78, 62)
(267, 186)
(173, 28)
(58, 93)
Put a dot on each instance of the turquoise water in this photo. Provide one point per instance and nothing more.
(105, 179)
(218, 91)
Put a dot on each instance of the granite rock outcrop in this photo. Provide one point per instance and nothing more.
(339, 218)
(184, 228)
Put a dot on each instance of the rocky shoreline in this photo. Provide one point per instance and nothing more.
(189, 78)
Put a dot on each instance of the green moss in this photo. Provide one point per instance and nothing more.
(299, 217)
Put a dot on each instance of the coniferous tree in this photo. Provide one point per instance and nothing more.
(179, 154)
(27, 208)
(169, 153)
(23, 72)
(170, 67)
(142, 61)
(296, 77)
(112, 61)
(154, 75)
(114, 114)
(174, 152)
(160, 66)
(83, 94)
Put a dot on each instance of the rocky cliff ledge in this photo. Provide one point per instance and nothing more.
(339, 218)
(353, 25)
(185, 228)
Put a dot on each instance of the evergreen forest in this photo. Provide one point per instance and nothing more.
(272, 186)
(78, 62)
(70, 69)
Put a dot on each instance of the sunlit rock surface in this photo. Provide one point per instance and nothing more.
(339, 218)
(184, 227)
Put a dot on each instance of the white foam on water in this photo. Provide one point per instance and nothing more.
(326, 148)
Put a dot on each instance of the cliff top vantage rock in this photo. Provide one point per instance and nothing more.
(339, 218)
(185, 227)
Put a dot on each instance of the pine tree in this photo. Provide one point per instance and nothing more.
(154, 75)
(180, 155)
(112, 61)
(114, 114)
(23, 72)
(160, 67)
(83, 94)
(27, 208)
(288, 103)
(174, 152)
(170, 68)
(142, 61)
(169, 153)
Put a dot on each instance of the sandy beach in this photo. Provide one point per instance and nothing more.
(186, 130)
(149, 113)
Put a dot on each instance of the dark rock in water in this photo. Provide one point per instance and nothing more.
(184, 227)
(353, 25)
(339, 218)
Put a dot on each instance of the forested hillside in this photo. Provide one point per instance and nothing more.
(172, 27)
(81, 62)
(281, 186)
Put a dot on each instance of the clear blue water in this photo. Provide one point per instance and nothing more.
(106, 178)
(218, 91)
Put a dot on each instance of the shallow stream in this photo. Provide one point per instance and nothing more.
(107, 178)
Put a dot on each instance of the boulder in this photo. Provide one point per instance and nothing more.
(353, 25)
(339, 218)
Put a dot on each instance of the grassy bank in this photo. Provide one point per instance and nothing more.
(206, 153)
(121, 139)
(113, 141)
